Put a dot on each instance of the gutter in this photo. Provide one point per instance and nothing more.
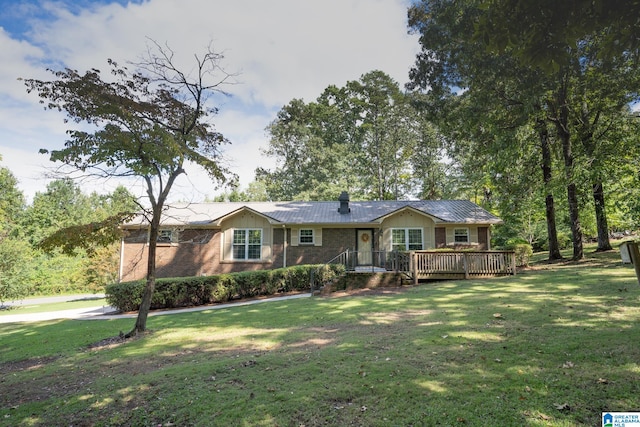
(284, 245)
(121, 259)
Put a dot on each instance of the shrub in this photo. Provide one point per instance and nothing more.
(523, 252)
(125, 296)
(15, 256)
(194, 291)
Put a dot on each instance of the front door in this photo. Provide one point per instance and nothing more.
(365, 247)
(441, 237)
(483, 238)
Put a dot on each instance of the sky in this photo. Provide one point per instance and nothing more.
(277, 50)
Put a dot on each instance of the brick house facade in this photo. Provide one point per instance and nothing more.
(214, 238)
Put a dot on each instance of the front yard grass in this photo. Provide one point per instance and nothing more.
(26, 307)
(553, 346)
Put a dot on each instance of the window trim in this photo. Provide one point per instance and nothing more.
(466, 232)
(173, 237)
(407, 241)
(313, 237)
(247, 245)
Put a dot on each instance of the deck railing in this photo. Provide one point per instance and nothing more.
(435, 264)
(361, 260)
(430, 264)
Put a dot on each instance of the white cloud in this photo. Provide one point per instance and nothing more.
(283, 49)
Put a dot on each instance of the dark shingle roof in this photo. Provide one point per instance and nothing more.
(292, 213)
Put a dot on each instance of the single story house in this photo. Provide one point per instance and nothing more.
(212, 238)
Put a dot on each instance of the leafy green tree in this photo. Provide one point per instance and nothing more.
(147, 123)
(543, 33)
(313, 149)
(479, 101)
(361, 138)
(255, 192)
(431, 174)
(15, 257)
(499, 86)
(67, 231)
(62, 204)
(385, 141)
(593, 47)
(11, 201)
(15, 253)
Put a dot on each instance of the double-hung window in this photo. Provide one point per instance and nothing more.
(406, 239)
(165, 236)
(306, 236)
(461, 235)
(247, 243)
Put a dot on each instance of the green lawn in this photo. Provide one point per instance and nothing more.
(29, 308)
(553, 346)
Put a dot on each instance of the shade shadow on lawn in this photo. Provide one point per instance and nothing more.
(555, 346)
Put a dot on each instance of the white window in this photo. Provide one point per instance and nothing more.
(166, 236)
(406, 239)
(306, 236)
(247, 243)
(461, 235)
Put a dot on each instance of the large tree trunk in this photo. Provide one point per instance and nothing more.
(601, 218)
(574, 217)
(149, 288)
(590, 146)
(552, 232)
(157, 206)
(562, 126)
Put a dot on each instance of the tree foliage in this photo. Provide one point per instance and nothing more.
(366, 138)
(543, 33)
(147, 122)
(11, 201)
(15, 253)
(488, 95)
(15, 257)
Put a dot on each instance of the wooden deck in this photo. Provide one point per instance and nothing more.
(432, 264)
(460, 264)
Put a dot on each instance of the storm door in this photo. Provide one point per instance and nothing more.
(364, 246)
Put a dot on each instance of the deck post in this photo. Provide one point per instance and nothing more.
(514, 268)
(635, 258)
(414, 267)
(465, 263)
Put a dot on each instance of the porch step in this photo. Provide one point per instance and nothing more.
(369, 269)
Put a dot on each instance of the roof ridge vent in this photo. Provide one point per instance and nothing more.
(344, 203)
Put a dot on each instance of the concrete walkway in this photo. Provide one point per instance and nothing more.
(107, 312)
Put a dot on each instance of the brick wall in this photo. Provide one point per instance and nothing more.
(197, 253)
(334, 241)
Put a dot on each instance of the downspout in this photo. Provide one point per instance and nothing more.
(284, 246)
(121, 259)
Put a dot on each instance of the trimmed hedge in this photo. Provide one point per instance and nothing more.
(523, 252)
(194, 291)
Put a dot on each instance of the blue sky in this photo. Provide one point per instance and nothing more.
(279, 49)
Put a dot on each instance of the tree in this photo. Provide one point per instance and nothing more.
(15, 256)
(14, 252)
(543, 33)
(11, 201)
(61, 205)
(479, 101)
(146, 123)
(592, 45)
(384, 123)
(497, 81)
(68, 232)
(361, 138)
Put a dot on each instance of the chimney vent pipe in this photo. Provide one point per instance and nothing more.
(344, 203)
